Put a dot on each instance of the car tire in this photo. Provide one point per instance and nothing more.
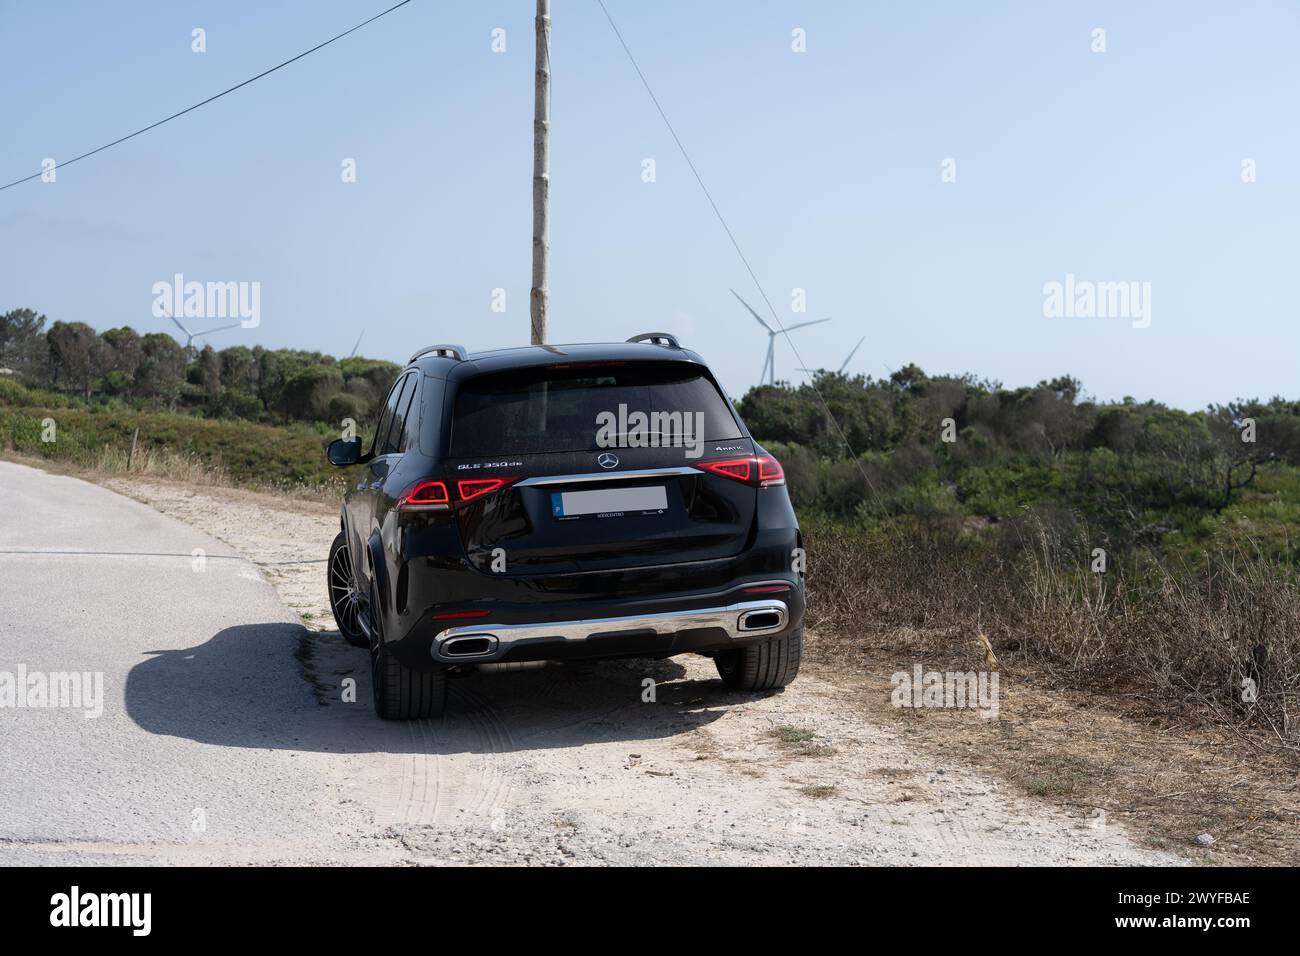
(766, 666)
(345, 602)
(400, 692)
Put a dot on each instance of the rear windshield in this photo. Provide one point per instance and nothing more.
(580, 408)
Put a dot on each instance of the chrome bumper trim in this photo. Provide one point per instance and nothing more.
(605, 476)
(728, 618)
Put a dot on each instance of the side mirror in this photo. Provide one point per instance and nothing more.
(344, 451)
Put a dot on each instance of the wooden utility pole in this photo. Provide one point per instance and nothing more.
(541, 172)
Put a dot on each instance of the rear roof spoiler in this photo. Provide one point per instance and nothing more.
(657, 338)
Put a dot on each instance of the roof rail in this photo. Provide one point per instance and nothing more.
(456, 352)
(657, 338)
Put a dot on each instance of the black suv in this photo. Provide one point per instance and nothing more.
(559, 503)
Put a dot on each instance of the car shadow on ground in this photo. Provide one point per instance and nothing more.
(281, 686)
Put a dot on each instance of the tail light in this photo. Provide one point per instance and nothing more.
(761, 471)
(471, 488)
(434, 496)
(425, 496)
(737, 468)
(770, 471)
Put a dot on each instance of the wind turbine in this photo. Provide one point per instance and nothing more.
(845, 363)
(851, 354)
(358, 345)
(191, 336)
(769, 363)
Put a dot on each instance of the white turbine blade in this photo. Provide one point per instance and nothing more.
(751, 311)
(803, 325)
(851, 354)
(358, 345)
(178, 325)
(219, 328)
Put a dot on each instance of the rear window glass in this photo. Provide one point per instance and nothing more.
(550, 409)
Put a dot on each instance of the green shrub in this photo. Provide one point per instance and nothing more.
(249, 453)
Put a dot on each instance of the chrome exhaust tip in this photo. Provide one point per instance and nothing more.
(762, 619)
(469, 645)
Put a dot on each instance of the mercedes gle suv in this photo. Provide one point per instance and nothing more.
(556, 503)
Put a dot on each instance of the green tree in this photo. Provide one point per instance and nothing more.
(78, 354)
(162, 368)
(124, 357)
(239, 369)
(22, 343)
(307, 393)
(209, 363)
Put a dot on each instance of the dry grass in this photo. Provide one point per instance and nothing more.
(1198, 642)
(1120, 694)
(160, 463)
(800, 742)
(179, 469)
(819, 791)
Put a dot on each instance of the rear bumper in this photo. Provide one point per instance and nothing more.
(640, 611)
(656, 632)
(609, 626)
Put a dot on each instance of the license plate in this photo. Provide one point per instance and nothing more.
(609, 502)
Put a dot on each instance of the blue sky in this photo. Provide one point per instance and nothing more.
(1114, 166)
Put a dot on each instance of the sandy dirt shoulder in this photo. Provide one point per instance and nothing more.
(570, 764)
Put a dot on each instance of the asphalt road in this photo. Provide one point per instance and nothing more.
(200, 685)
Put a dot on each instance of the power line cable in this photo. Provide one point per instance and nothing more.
(736, 245)
(190, 109)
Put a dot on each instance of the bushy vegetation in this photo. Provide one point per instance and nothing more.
(36, 423)
(1113, 545)
(248, 415)
(154, 371)
(1140, 474)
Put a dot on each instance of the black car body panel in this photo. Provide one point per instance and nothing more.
(501, 559)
